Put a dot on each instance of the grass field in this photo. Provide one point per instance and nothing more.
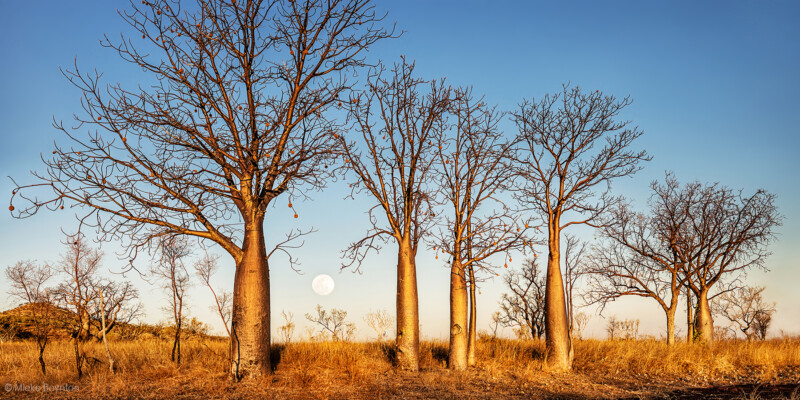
(329, 370)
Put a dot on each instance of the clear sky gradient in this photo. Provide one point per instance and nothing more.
(716, 89)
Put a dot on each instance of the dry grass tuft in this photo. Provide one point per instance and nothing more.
(507, 369)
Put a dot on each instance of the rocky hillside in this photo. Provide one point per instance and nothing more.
(17, 324)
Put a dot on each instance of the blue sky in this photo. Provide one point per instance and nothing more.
(715, 88)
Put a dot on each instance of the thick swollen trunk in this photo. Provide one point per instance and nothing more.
(558, 346)
(458, 317)
(704, 324)
(407, 343)
(671, 326)
(250, 325)
(471, 341)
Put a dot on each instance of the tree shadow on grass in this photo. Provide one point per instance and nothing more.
(275, 352)
(747, 391)
(440, 353)
(389, 351)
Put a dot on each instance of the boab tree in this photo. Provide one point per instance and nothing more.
(398, 123)
(475, 171)
(235, 117)
(725, 233)
(571, 145)
(639, 255)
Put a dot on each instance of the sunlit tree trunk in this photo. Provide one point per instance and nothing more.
(557, 342)
(704, 324)
(671, 326)
(250, 326)
(471, 341)
(407, 344)
(458, 316)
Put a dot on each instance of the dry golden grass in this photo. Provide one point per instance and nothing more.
(507, 369)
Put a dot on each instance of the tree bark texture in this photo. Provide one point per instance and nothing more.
(558, 347)
(704, 324)
(250, 326)
(671, 326)
(407, 343)
(458, 317)
(471, 341)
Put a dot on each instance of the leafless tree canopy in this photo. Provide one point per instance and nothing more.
(638, 254)
(398, 122)
(119, 306)
(580, 320)
(235, 116)
(475, 171)
(239, 110)
(333, 323)
(78, 266)
(379, 321)
(205, 269)
(622, 328)
(523, 307)
(576, 267)
(571, 145)
(169, 268)
(571, 142)
(639, 257)
(287, 329)
(80, 294)
(725, 232)
(618, 271)
(27, 282)
(746, 308)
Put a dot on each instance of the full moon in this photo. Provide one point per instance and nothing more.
(322, 285)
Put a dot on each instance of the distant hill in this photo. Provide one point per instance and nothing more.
(17, 324)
